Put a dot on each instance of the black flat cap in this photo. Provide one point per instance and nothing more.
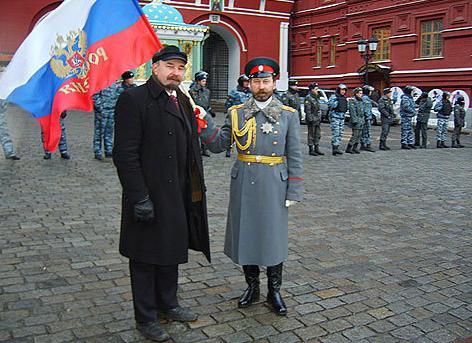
(127, 75)
(170, 52)
(261, 67)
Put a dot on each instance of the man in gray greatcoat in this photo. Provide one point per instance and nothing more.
(291, 98)
(265, 179)
(201, 95)
(356, 120)
(313, 120)
(459, 122)
(424, 109)
(387, 116)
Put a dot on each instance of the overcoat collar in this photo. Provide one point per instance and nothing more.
(157, 90)
(271, 112)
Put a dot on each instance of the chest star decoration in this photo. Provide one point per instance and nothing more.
(267, 128)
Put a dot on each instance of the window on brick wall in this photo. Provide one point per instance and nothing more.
(431, 39)
(332, 57)
(319, 52)
(383, 47)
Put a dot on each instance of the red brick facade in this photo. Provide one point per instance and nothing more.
(322, 40)
(317, 24)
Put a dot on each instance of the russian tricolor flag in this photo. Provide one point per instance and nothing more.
(76, 50)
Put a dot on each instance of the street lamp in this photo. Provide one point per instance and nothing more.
(367, 50)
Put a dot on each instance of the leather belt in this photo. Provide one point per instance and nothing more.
(272, 160)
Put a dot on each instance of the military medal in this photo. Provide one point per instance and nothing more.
(267, 128)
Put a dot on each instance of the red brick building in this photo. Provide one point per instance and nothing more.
(427, 43)
(239, 31)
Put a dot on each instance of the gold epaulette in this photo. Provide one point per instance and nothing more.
(235, 107)
(288, 108)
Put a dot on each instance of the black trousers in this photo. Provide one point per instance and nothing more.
(314, 133)
(421, 128)
(356, 136)
(154, 288)
(385, 131)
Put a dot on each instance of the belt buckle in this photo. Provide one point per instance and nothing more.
(258, 158)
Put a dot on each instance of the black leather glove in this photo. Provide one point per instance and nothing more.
(144, 210)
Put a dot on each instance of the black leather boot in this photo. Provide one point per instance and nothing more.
(405, 146)
(368, 147)
(317, 150)
(349, 149)
(363, 146)
(443, 144)
(459, 145)
(252, 292)
(382, 145)
(312, 151)
(385, 145)
(412, 146)
(274, 281)
(438, 144)
(336, 150)
(355, 149)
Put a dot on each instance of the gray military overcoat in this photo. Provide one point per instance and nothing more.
(257, 224)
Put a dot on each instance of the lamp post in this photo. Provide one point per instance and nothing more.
(367, 49)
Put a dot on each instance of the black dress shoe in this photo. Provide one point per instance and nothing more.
(153, 331)
(47, 156)
(13, 157)
(179, 314)
(65, 156)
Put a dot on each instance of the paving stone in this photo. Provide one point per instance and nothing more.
(401, 320)
(261, 331)
(408, 333)
(359, 319)
(308, 308)
(310, 332)
(237, 337)
(357, 333)
(334, 338)
(381, 313)
(285, 337)
(440, 336)
(336, 325)
(329, 293)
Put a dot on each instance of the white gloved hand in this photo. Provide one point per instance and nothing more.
(289, 203)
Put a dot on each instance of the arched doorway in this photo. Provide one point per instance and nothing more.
(215, 62)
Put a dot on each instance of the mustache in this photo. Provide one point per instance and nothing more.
(174, 78)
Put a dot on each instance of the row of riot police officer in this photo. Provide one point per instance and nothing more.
(360, 117)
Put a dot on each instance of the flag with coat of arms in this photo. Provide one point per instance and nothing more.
(76, 50)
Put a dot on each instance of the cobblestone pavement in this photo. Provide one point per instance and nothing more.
(380, 250)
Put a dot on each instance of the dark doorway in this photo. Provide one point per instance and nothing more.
(215, 62)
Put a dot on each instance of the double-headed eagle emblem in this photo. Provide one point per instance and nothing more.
(69, 55)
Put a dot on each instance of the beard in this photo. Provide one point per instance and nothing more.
(262, 96)
(173, 82)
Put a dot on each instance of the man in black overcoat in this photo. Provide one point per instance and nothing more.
(157, 156)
